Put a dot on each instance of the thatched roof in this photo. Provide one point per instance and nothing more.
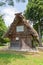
(18, 18)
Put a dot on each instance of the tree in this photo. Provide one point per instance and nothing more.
(9, 2)
(20, 0)
(34, 12)
(3, 28)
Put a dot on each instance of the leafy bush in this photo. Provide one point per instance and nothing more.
(3, 28)
(3, 41)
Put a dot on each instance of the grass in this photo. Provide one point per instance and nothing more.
(20, 58)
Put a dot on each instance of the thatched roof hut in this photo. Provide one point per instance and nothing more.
(21, 31)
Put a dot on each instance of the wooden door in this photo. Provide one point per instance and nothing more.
(16, 44)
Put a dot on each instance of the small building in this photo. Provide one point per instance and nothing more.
(21, 33)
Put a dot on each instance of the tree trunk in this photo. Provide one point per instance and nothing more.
(39, 31)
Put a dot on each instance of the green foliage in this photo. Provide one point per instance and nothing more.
(9, 2)
(20, 0)
(3, 41)
(3, 28)
(2, 24)
(2, 3)
(34, 10)
(36, 27)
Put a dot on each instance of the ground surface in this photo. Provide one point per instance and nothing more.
(20, 58)
(8, 57)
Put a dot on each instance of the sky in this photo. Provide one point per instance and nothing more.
(9, 11)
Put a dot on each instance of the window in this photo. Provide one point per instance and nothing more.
(19, 28)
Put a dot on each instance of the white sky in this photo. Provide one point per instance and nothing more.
(9, 15)
(9, 11)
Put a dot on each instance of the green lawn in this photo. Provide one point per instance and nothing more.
(17, 58)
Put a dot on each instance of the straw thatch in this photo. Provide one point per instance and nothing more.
(20, 18)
